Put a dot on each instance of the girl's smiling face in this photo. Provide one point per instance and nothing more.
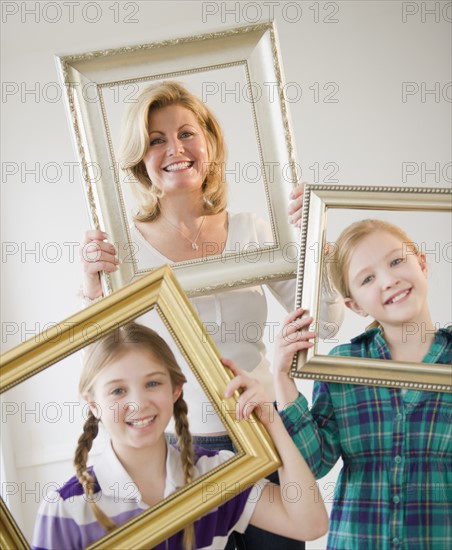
(177, 158)
(134, 398)
(387, 280)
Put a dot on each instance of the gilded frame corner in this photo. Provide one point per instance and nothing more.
(256, 455)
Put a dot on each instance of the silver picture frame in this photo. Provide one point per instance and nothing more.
(240, 69)
(320, 201)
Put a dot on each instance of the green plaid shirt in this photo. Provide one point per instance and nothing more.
(395, 488)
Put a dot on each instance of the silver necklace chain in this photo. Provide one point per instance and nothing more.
(193, 243)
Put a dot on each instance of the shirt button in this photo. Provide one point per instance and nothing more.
(395, 500)
(395, 541)
(399, 416)
(398, 459)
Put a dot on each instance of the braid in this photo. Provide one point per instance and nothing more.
(84, 444)
(187, 457)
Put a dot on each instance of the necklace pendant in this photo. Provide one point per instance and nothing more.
(194, 246)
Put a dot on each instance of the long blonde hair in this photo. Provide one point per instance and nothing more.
(135, 143)
(339, 260)
(100, 355)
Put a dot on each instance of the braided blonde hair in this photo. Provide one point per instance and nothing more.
(100, 355)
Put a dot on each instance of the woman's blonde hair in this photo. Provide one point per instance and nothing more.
(135, 143)
(100, 355)
(338, 261)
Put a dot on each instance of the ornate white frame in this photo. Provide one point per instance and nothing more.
(255, 47)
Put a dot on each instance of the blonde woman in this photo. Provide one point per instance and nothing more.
(173, 147)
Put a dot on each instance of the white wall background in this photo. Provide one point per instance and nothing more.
(374, 109)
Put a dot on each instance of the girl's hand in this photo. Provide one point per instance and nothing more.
(296, 206)
(253, 399)
(96, 255)
(293, 337)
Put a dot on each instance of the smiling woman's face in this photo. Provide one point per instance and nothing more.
(177, 158)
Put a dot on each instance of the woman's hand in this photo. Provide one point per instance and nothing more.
(296, 205)
(253, 399)
(96, 255)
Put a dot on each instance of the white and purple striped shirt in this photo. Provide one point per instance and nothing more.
(65, 520)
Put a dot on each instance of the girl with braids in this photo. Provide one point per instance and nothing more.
(133, 386)
(394, 490)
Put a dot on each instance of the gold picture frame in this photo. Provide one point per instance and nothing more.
(256, 456)
(240, 69)
(319, 201)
